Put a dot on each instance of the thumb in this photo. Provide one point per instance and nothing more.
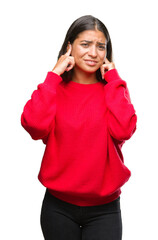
(103, 69)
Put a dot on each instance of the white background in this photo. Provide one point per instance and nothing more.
(31, 36)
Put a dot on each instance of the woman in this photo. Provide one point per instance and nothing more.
(83, 113)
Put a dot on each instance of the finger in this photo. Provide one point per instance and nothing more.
(102, 71)
(70, 65)
(104, 68)
(109, 65)
(69, 50)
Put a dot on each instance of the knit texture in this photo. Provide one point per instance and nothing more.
(84, 127)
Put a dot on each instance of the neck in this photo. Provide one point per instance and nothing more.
(83, 77)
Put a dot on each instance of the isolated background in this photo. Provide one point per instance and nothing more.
(31, 36)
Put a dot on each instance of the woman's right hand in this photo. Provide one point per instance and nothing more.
(65, 62)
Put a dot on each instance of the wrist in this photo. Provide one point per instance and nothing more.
(56, 71)
(111, 75)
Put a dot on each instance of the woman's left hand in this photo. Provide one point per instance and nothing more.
(106, 67)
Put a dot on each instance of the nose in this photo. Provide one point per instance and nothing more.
(92, 51)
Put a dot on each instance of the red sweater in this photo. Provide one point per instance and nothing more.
(84, 127)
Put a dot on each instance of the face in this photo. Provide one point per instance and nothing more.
(89, 50)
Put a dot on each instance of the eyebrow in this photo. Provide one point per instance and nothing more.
(92, 41)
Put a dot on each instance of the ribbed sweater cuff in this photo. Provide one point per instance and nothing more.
(112, 75)
(52, 80)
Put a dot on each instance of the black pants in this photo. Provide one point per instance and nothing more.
(64, 221)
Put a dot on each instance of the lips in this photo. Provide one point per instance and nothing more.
(90, 62)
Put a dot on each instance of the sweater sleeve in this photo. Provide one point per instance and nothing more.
(120, 111)
(39, 112)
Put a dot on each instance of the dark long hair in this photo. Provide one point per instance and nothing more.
(81, 24)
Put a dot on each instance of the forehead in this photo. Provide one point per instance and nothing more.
(92, 35)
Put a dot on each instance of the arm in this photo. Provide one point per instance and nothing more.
(120, 111)
(39, 112)
(38, 116)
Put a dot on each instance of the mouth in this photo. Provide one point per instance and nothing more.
(90, 62)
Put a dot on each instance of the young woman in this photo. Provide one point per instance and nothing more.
(83, 113)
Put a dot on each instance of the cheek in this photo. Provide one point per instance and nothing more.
(78, 52)
(103, 56)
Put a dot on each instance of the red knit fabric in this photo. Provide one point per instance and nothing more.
(84, 127)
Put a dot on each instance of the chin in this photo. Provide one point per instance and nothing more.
(90, 69)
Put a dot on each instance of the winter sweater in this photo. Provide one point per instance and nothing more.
(84, 127)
